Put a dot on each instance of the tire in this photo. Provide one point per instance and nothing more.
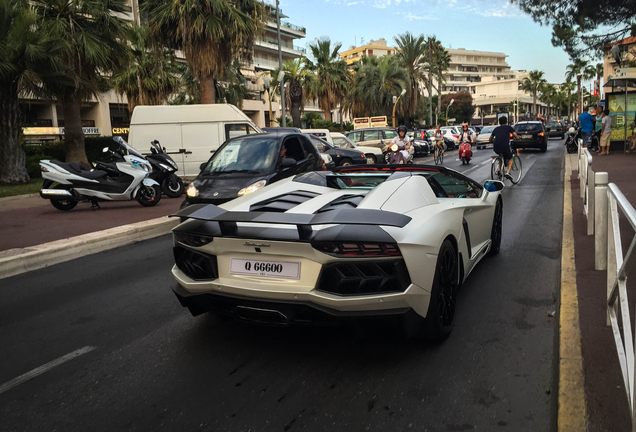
(440, 316)
(544, 147)
(562, 136)
(173, 188)
(495, 232)
(346, 162)
(387, 157)
(517, 170)
(149, 196)
(371, 159)
(64, 205)
(496, 170)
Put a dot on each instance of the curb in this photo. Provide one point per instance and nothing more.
(18, 197)
(571, 400)
(17, 261)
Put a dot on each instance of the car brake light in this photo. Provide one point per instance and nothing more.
(542, 134)
(358, 249)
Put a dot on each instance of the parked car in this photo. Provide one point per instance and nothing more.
(372, 137)
(555, 128)
(421, 146)
(281, 129)
(482, 139)
(373, 154)
(324, 134)
(341, 157)
(532, 134)
(477, 129)
(247, 163)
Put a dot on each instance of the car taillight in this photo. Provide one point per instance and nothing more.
(324, 166)
(358, 249)
(193, 240)
(542, 134)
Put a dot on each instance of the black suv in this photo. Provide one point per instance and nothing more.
(532, 135)
(245, 164)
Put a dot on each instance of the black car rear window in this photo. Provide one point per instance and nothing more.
(528, 127)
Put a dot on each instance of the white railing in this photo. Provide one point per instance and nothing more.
(618, 268)
(586, 183)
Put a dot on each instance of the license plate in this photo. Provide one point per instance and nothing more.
(278, 269)
(526, 136)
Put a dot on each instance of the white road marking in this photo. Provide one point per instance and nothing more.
(477, 166)
(45, 367)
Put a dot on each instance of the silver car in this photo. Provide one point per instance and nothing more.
(484, 136)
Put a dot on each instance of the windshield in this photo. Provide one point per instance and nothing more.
(528, 127)
(129, 149)
(244, 155)
(487, 129)
(321, 145)
(343, 142)
(390, 134)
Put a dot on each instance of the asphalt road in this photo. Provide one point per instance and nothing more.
(148, 365)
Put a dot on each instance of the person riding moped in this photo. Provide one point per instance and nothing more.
(403, 141)
(467, 135)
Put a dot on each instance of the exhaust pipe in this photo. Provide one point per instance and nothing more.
(57, 194)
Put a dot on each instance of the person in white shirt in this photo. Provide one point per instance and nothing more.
(606, 133)
(404, 143)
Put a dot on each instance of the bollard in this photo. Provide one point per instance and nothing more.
(582, 173)
(590, 200)
(600, 220)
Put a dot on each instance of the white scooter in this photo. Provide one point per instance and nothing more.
(66, 184)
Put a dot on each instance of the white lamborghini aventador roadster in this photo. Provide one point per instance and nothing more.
(375, 240)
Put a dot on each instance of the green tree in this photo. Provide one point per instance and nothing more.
(190, 87)
(92, 39)
(211, 33)
(309, 119)
(548, 91)
(230, 86)
(150, 76)
(411, 50)
(567, 88)
(576, 69)
(533, 84)
(434, 51)
(25, 53)
(353, 103)
(594, 72)
(301, 83)
(462, 109)
(379, 82)
(331, 74)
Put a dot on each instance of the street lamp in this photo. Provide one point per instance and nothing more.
(395, 101)
(580, 103)
(266, 83)
(281, 79)
(281, 75)
(449, 105)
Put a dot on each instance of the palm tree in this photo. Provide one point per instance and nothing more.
(411, 51)
(576, 69)
(25, 54)
(93, 43)
(151, 75)
(594, 71)
(352, 102)
(440, 60)
(432, 46)
(301, 85)
(533, 83)
(331, 74)
(379, 83)
(567, 87)
(548, 91)
(211, 33)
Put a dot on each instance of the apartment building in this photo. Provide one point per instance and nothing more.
(627, 48)
(468, 67)
(378, 48)
(492, 95)
(107, 114)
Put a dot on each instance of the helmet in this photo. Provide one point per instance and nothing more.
(401, 128)
(572, 130)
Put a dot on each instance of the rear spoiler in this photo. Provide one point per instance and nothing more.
(227, 220)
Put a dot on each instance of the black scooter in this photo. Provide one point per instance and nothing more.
(163, 171)
(573, 136)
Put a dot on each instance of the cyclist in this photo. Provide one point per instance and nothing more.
(404, 143)
(500, 137)
(438, 139)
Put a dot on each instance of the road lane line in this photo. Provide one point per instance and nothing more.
(571, 411)
(44, 368)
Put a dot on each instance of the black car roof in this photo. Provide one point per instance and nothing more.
(372, 128)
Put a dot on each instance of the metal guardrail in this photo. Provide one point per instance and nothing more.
(603, 202)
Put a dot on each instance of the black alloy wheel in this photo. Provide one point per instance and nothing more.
(440, 317)
(149, 196)
(495, 233)
(60, 204)
(173, 187)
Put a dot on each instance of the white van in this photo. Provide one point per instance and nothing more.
(320, 133)
(190, 133)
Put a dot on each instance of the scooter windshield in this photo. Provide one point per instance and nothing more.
(131, 151)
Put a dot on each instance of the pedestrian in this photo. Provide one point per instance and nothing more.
(598, 122)
(587, 126)
(606, 133)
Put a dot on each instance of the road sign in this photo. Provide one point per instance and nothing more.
(451, 120)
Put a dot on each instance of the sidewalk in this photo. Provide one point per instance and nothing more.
(606, 401)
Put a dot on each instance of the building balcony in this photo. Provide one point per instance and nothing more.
(262, 64)
(272, 45)
(289, 29)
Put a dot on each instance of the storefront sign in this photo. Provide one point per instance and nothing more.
(121, 131)
(617, 112)
(86, 130)
(41, 131)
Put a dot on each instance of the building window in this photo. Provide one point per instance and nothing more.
(370, 52)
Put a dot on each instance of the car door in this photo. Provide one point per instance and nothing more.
(355, 136)
(372, 138)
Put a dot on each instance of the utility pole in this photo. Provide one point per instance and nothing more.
(281, 75)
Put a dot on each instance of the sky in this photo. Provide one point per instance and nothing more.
(485, 25)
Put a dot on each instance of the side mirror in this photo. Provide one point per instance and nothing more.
(493, 185)
(382, 141)
(288, 163)
(325, 148)
(105, 150)
(202, 166)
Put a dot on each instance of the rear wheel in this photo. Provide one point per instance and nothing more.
(495, 233)
(496, 169)
(517, 170)
(60, 204)
(440, 316)
(173, 186)
(149, 196)
(543, 147)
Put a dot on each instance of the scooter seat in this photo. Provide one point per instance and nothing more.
(77, 169)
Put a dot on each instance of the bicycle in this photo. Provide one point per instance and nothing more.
(498, 168)
(440, 155)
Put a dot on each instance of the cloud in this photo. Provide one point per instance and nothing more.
(353, 3)
(409, 16)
